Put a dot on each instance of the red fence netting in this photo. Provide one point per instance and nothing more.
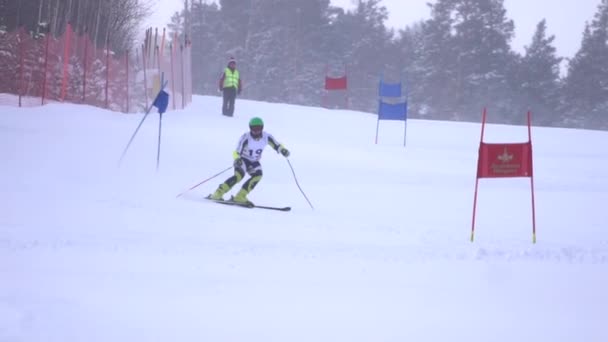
(70, 68)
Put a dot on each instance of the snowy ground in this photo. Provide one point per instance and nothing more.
(93, 252)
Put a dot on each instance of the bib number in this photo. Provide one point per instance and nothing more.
(255, 154)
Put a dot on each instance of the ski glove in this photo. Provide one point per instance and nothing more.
(238, 163)
(284, 152)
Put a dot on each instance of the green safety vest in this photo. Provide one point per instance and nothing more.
(231, 78)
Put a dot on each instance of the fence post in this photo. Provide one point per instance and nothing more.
(162, 43)
(158, 60)
(181, 47)
(107, 69)
(143, 56)
(67, 39)
(172, 75)
(21, 64)
(127, 64)
(46, 60)
(154, 47)
(189, 72)
(84, 64)
(149, 48)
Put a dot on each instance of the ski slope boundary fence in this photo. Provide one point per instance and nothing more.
(69, 68)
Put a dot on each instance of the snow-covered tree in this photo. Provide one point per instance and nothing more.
(586, 85)
(117, 20)
(538, 78)
(362, 42)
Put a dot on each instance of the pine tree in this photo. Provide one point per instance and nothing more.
(74, 82)
(538, 77)
(464, 60)
(205, 20)
(434, 76)
(9, 57)
(96, 83)
(408, 49)
(265, 59)
(586, 85)
(307, 58)
(482, 35)
(33, 66)
(176, 26)
(364, 45)
(3, 18)
(236, 26)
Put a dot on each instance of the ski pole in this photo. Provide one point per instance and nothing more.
(206, 180)
(124, 152)
(160, 126)
(296, 179)
(162, 102)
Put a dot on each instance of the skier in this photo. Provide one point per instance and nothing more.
(230, 85)
(247, 159)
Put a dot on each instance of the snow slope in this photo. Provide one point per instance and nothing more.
(90, 251)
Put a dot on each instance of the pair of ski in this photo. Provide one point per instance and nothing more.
(250, 206)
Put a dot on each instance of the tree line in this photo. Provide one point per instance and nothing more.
(452, 64)
(114, 21)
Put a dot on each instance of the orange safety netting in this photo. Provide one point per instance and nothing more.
(69, 68)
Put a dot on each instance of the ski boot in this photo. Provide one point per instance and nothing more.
(219, 193)
(241, 198)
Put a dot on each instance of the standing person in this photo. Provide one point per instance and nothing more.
(247, 159)
(230, 85)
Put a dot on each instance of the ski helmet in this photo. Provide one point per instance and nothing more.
(256, 122)
(256, 125)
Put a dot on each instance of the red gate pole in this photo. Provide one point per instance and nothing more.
(474, 209)
(483, 126)
(346, 93)
(324, 95)
(377, 128)
(532, 178)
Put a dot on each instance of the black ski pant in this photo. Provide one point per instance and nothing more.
(229, 97)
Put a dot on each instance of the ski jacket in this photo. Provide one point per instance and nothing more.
(251, 149)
